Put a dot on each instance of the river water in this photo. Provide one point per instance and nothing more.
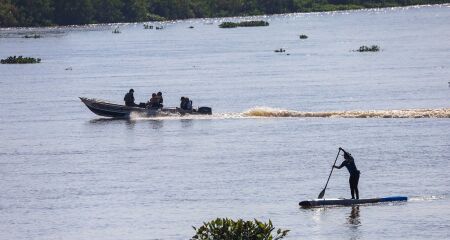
(278, 121)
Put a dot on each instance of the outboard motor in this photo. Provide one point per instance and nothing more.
(204, 110)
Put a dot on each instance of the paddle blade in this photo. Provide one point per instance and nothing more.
(321, 194)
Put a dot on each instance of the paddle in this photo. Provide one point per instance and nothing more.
(321, 194)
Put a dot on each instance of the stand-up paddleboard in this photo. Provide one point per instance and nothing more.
(348, 202)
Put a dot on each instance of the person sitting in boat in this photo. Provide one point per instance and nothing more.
(186, 104)
(183, 103)
(349, 163)
(153, 102)
(160, 99)
(129, 99)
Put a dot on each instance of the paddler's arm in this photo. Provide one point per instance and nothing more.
(343, 150)
(341, 166)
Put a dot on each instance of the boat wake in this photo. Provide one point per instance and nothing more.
(405, 113)
(267, 112)
(426, 198)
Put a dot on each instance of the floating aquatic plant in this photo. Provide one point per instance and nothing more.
(373, 48)
(19, 60)
(302, 36)
(32, 36)
(244, 24)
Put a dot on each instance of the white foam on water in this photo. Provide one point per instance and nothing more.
(174, 116)
(403, 113)
(268, 112)
(425, 198)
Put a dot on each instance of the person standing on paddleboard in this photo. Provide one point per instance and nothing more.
(349, 163)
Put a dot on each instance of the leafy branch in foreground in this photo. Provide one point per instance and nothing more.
(228, 229)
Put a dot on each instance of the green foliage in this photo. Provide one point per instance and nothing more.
(70, 12)
(244, 24)
(19, 60)
(253, 24)
(36, 12)
(110, 10)
(228, 25)
(135, 10)
(154, 17)
(227, 229)
(66, 12)
(8, 14)
(373, 48)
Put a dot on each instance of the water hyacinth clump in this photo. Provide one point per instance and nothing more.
(19, 60)
(373, 48)
(244, 24)
(228, 25)
(224, 228)
(32, 36)
(302, 36)
(253, 24)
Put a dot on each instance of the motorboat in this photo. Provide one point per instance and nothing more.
(108, 109)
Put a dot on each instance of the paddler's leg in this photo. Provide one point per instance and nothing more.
(356, 186)
(352, 190)
(354, 179)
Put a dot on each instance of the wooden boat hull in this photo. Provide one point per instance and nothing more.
(107, 109)
(349, 202)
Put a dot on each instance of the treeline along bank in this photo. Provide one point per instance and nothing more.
(19, 13)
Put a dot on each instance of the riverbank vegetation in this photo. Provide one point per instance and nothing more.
(19, 60)
(224, 228)
(20, 13)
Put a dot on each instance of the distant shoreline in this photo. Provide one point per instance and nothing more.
(12, 16)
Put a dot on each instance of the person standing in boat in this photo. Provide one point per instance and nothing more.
(129, 99)
(349, 163)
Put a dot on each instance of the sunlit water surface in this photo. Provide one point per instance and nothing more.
(68, 174)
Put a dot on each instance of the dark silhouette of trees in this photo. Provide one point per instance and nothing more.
(68, 12)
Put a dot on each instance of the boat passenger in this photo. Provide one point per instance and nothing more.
(153, 102)
(129, 99)
(349, 163)
(188, 104)
(160, 99)
(183, 103)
